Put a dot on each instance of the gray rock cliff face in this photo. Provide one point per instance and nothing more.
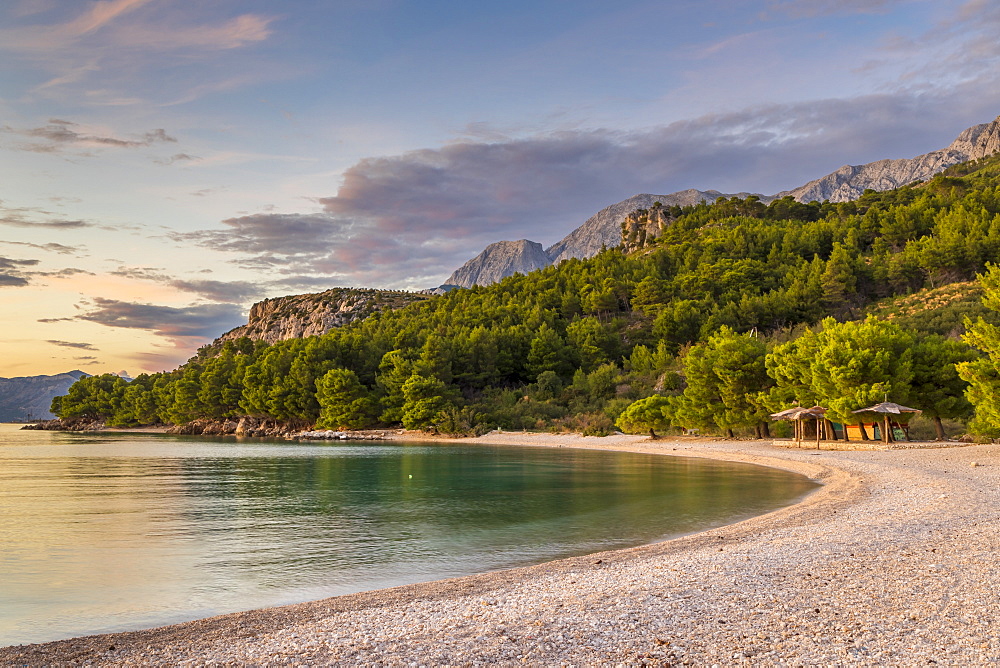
(29, 397)
(979, 141)
(850, 181)
(299, 316)
(500, 260)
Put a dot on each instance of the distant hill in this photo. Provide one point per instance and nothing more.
(29, 397)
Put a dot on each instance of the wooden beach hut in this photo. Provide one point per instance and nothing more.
(883, 411)
(800, 416)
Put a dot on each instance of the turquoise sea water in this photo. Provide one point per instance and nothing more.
(107, 532)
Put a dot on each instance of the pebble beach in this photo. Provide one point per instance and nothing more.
(892, 561)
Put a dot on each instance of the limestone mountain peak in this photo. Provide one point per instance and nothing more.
(500, 260)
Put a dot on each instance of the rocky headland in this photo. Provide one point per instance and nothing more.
(244, 426)
(314, 314)
(68, 424)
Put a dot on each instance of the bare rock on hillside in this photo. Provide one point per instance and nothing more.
(505, 258)
(299, 316)
(979, 141)
(500, 260)
(604, 229)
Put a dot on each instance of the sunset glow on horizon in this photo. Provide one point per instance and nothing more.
(167, 164)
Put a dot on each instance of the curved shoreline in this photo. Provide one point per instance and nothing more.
(841, 576)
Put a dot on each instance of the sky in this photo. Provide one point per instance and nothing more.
(164, 163)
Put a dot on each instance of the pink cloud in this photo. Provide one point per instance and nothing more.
(99, 15)
(139, 32)
(42, 38)
(233, 34)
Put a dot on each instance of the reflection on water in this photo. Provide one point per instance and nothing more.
(112, 532)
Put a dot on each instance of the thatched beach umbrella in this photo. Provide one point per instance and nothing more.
(797, 414)
(885, 409)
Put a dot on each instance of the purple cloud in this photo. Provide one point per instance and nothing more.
(219, 291)
(409, 220)
(12, 281)
(60, 134)
(203, 321)
(12, 274)
(51, 246)
(10, 263)
(73, 344)
(36, 219)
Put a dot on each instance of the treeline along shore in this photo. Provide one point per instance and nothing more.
(712, 319)
(244, 426)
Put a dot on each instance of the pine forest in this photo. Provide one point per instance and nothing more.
(728, 312)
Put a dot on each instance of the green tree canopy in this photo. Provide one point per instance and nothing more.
(645, 415)
(725, 377)
(937, 386)
(844, 367)
(423, 399)
(344, 402)
(983, 374)
(620, 319)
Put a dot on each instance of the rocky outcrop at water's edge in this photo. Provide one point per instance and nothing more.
(268, 428)
(68, 424)
(235, 426)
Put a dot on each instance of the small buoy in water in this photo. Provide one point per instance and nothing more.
(411, 475)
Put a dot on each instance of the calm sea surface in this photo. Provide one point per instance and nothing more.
(102, 532)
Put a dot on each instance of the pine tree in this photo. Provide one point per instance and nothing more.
(983, 374)
(725, 378)
(936, 386)
(344, 402)
(645, 415)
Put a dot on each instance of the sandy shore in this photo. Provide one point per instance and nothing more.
(890, 562)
